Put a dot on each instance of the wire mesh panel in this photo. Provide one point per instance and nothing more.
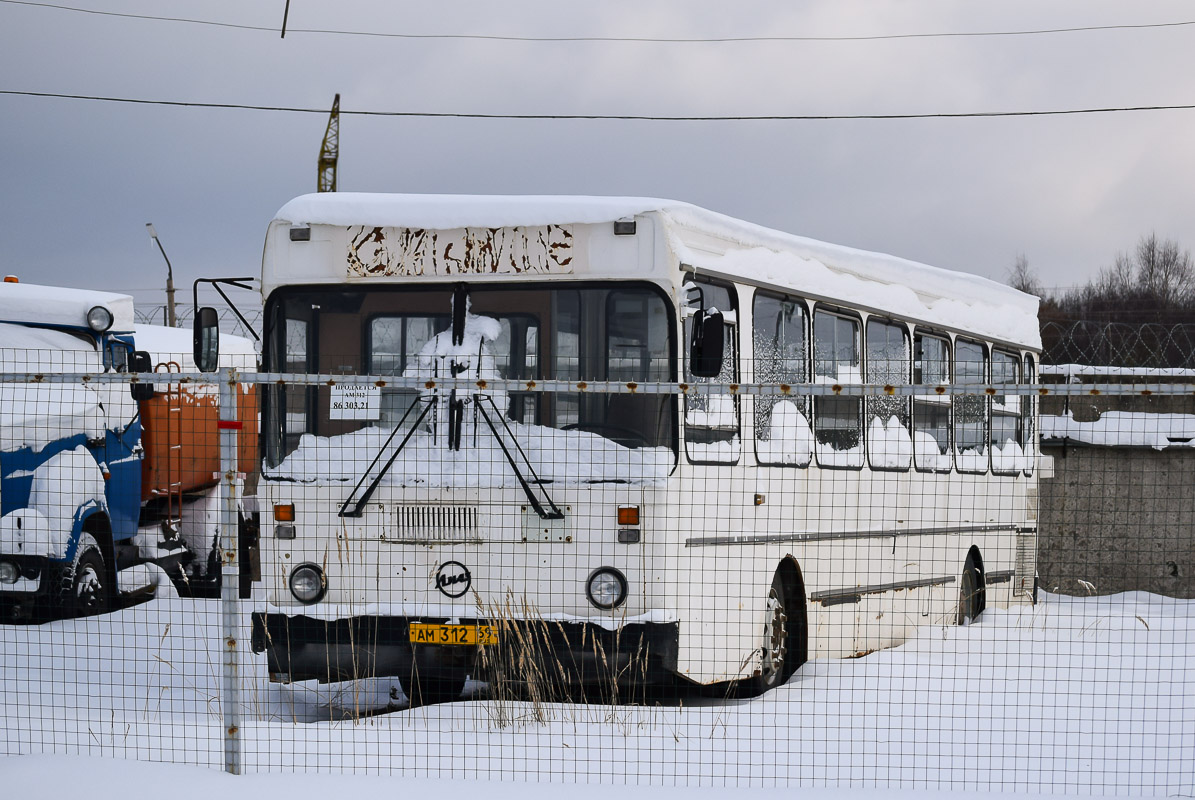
(918, 569)
(110, 551)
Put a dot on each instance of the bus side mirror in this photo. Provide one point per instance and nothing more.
(705, 350)
(142, 363)
(207, 339)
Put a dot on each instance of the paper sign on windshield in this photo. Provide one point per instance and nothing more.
(356, 401)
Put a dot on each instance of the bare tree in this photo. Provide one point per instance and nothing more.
(1164, 271)
(1022, 277)
(1153, 282)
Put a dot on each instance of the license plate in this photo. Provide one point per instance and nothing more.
(428, 633)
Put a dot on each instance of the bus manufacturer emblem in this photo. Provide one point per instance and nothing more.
(453, 579)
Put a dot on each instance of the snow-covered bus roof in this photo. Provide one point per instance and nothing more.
(705, 242)
(29, 303)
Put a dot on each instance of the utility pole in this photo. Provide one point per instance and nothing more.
(330, 150)
(171, 320)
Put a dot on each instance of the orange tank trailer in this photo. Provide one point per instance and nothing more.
(197, 462)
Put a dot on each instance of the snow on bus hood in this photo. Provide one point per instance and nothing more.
(564, 457)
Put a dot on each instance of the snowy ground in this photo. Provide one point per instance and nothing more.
(1093, 695)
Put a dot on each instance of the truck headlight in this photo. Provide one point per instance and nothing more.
(606, 588)
(9, 572)
(308, 584)
(99, 319)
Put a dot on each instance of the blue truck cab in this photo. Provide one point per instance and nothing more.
(70, 453)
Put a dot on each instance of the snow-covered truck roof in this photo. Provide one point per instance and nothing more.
(31, 304)
(699, 240)
(177, 344)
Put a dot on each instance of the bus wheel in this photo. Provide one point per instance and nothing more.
(776, 646)
(970, 593)
(86, 581)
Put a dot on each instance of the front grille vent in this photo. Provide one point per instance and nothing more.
(436, 524)
(1026, 565)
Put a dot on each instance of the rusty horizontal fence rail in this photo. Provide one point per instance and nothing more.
(614, 387)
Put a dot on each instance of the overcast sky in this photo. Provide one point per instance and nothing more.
(80, 179)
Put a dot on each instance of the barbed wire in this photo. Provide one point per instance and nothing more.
(229, 322)
(1082, 342)
(1119, 344)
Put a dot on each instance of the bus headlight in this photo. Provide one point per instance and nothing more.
(606, 588)
(308, 584)
(9, 572)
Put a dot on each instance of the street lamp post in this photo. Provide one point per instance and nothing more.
(170, 318)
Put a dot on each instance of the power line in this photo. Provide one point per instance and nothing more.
(620, 117)
(612, 39)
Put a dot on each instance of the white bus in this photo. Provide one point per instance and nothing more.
(724, 537)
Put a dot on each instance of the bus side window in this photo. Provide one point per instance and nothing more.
(637, 349)
(1008, 427)
(931, 413)
(296, 361)
(1029, 413)
(292, 337)
(780, 338)
(970, 410)
(712, 421)
(837, 421)
(889, 435)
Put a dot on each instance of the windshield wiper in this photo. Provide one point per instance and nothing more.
(555, 513)
(360, 506)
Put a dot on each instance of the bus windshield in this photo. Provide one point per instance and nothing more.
(612, 331)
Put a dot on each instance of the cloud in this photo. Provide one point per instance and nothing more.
(82, 178)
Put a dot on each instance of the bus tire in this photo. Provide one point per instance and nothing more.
(776, 650)
(86, 589)
(971, 591)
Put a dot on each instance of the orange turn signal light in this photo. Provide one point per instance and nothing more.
(284, 513)
(628, 515)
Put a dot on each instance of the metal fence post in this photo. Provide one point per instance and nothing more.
(230, 581)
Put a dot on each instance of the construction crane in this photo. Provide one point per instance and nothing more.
(330, 150)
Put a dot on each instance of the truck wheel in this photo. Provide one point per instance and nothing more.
(86, 589)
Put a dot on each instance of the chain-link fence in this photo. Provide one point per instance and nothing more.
(656, 583)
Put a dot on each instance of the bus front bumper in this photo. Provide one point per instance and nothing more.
(300, 648)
